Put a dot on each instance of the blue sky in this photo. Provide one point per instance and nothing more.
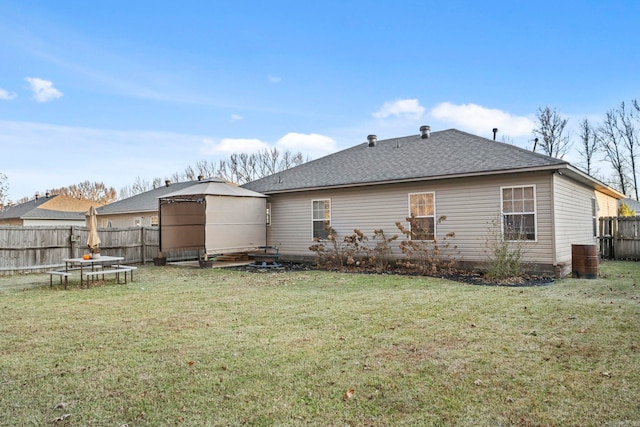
(112, 91)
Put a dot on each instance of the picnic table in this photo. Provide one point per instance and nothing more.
(93, 267)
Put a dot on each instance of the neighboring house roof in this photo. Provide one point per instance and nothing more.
(444, 154)
(57, 206)
(633, 204)
(143, 202)
(214, 187)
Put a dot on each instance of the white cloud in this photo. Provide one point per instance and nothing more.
(232, 145)
(274, 79)
(4, 95)
(43, 90)
(312, 145)
(401, 108)
(481, 120)
(236, 117)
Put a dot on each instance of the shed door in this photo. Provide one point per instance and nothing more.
(182, 225)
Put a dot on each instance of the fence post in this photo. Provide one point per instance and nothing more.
(71, 241)
(143, 248)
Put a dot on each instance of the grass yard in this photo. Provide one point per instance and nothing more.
(226, 348)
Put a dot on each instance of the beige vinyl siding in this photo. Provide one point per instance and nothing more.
(125, 220)
(472, 207)
(573, 216)
(607, 205)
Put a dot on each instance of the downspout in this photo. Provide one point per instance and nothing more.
(554, 252)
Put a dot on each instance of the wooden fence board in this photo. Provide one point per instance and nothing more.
(37, 248)
(620, 238)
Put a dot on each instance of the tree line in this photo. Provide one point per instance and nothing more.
(615, 138)
(239, 168)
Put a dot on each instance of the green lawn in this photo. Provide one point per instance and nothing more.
(211, 347)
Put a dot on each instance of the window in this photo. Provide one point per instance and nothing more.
(268, 213)
(321, 218)
(594, 214)
(422, 209)
(519, 213)
(154, 220)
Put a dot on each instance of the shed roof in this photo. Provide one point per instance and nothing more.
(213, 187)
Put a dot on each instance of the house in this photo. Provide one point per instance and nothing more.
(56, 209)
(480, 185)
(138, 210)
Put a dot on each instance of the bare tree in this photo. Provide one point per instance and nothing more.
(589, 145)
(631, 140)
(243, 167)
(551, 131)
(611, 142)
(4, 188)
(88, 190)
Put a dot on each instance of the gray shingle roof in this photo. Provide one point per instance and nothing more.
(445, 153)
(18, 211)
(143, 202)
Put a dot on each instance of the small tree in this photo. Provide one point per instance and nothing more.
(625, 210)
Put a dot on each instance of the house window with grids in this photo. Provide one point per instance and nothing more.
(519, 213)
(422, 210)
(321, 218)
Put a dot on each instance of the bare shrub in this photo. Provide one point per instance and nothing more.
(505, 256)
(426, 256)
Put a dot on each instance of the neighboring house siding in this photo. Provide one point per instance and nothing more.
(573, 217)
(607, 205)
(126, 220)
(472, 207)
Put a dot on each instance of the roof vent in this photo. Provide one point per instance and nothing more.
(37, 196)
(425, 132)
(47, 195)
(200, 177)
(167, 183)
(372, 140)
(495, 132)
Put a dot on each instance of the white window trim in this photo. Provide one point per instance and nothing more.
(594, 216)
(269, 214)
(314, 220)
(435, 223)
(535, 210)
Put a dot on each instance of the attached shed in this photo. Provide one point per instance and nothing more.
(213, 216)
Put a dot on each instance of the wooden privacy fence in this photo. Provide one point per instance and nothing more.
(24, 249)
(620, 237)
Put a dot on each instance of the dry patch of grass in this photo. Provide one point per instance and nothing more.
(210, 347)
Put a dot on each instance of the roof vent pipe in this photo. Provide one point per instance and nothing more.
(535, 144)
(495, 132)
(47, 195)
(425, 132)
(372, 140)
(37, 196)
(167, 183)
